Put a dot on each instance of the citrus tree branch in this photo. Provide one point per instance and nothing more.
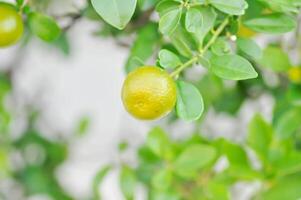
(203, 50)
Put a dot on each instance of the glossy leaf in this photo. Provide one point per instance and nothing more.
(232, 7)
(143, 47)
(236, 155)
(169, 59)
(282, 5)
(83, 126)
(190, 105)
(44, 26)
(259, 136)
(117, 13)
(275, 58)
(98, 179)
(157, 141)
(183, 41)
(287, 188)
(221, 47)
(166, 6)
(288, 123)
(209, 17)
(127, 182)
(193, 20)
(169, 22)
(272, 23)
(232, 67)
(249, 47)
(194, 158)
(218, 190)
(162, 179)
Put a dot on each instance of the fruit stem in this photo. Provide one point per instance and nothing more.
(203, 50)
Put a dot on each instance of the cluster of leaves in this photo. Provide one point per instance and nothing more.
(203, 33)
(31, 160)
(42, 157)
(5, 119)
(213, 34)
(35, 169)
(40, 24)
(187, 169)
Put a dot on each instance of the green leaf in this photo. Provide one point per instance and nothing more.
(294, 94)
(169, 59)
(127, 182)
(282, 5)
(44, 26)
(117, 13)
(213, 87)
(194, 158)
(83, 126)
(98, 179)
(204, 62)
(236, 155)
(275, 58)
(4, 163)
(260, 136)
(164, 195)
(287, 188)
(272, 23)
(190, 105)
(288, 123)
(166, 6)
(183, 41)
(123, 146)
(239, 165)
(209, 18)
(20, 2)
(249, 47)
(63, 44)
(169, 22)
(297, 2)
(218, 190)
(193, 20)
(157, 141)
(289, 163)
(221, 47)
(133, 63)
(230, 101)
(143, 47)
(162, 179)
(232, 7)
(232, 67)
(254, 10)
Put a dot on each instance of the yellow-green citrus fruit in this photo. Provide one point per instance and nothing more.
(149, 93)
(294, 74)
(11, 25)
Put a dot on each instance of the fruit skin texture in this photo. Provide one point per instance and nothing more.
(149, 93)
(11, 25)
(294, 75)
